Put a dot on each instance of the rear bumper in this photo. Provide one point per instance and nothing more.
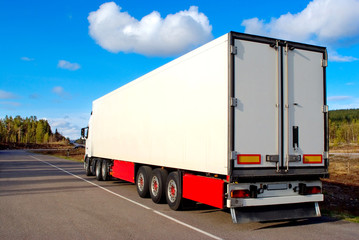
(251, 202)
(275, 212)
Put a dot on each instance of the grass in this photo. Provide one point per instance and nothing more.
(341, 215)
(69, 153)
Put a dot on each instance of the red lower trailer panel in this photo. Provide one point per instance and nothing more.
(124, 170)
(205, 190)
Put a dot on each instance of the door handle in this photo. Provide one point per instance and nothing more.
(295, 137)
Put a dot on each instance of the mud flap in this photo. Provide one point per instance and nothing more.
(275, 212)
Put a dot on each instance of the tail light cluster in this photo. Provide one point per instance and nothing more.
(244, 193)
(240, 193)
(303, 189)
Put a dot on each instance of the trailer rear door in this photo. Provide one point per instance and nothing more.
(280, 114)
(303, 107)
(256, 116)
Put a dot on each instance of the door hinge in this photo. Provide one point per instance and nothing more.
(325, 155)
(325, 108)
(234, 155)
(234, 102)
(233, 50)
(324, 63)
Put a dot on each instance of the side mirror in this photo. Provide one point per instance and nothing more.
(84, 132)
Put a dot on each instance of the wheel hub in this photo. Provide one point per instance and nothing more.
(141, 182)
(172, 191)
(154, 186)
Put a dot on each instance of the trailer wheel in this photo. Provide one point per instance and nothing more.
(143, 181)
(173, 191)
(158, 185)
(105, 173)
(98, 170)
(87, 167)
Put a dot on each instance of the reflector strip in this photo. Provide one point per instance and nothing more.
(315, 158)
(249, 159)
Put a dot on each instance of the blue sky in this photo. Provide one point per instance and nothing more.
(57, 57)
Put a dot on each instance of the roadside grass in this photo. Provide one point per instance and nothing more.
(72, 154)
(341, 215)
(67, 158)
(344, 148)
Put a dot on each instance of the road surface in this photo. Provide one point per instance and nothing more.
(44, 197)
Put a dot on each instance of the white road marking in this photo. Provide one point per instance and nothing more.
(132, 201)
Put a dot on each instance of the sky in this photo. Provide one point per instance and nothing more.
(56, 57)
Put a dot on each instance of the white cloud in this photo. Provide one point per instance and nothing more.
(339, 98)
(333, 56)
(328, 22)
(343, 102)
(70, 125)
(7, 95)
(352, 105)
(68, 65)
(60, 91)
(118, 31)
(27, 59)
(34, 96)
(10, 104)
(65, 128)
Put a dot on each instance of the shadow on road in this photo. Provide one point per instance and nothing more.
(298, 222)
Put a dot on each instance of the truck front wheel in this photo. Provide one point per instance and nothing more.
(173, 191)
(87, 166)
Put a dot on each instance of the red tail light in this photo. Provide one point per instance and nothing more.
(240, 193)
(313, 190)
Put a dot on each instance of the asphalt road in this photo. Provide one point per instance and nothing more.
(44, 197)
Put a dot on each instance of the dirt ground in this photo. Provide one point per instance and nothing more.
(341, 189)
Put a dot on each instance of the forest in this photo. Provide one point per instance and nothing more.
(28, 130)
(343, 129)
(344, 126)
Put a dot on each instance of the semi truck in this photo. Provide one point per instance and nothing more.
(239, 123)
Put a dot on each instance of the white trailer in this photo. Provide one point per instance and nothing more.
(238, 123)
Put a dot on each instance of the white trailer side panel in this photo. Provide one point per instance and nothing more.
(175, 116)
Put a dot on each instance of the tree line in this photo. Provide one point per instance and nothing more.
(28, 130)
(343, 129)
(344, 126)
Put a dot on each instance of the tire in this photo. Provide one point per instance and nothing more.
(87, 167)
(85, 162)
(173, 191)
(93, 166)
(98, 170)
(158, 185)
(105, 173)
(143, 181)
